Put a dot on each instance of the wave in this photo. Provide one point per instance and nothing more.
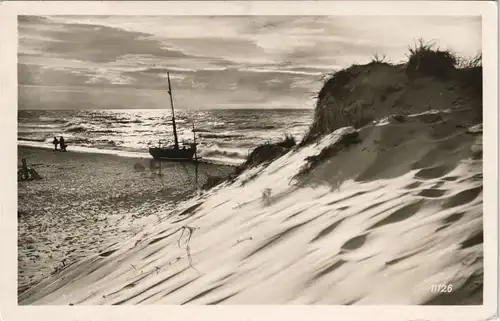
(107, 142)
(32, 131)
(202, 130)
(257, 127)
(31, 139)
(51, 119)
(76, 129)
(71, 123)
(127, 121)
(220, 126)
(221, 135)
(88, 149)
(82, 141)
(104, 131)
(216, 151)
(38, 125)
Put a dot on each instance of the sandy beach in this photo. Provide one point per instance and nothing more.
(86, 202)
(308, 242)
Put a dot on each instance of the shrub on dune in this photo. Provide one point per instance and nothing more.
(360, 94)
(266, 153)
(426, 59)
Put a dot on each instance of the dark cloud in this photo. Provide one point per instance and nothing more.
(95, 43)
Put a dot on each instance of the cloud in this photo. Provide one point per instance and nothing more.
(97, 43)
(213, 60)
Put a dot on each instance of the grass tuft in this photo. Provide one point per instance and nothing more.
(471, 74)
(472, 62)
(427, 59)
(266, 153)
(379, 59)
(287, 142)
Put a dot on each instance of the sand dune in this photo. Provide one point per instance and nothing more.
(375, 219)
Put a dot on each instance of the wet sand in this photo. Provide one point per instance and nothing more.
(86, 202)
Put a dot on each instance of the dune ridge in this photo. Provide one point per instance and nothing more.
(376, 207)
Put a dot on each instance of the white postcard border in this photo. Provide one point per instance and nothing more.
(9, 310)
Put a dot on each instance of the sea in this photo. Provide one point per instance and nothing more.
(224, 136)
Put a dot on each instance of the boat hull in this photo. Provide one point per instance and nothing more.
(172, 154)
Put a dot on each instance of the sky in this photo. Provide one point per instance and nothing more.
(105, 62)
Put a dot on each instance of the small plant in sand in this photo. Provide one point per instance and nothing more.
(287, 142)
(379, 59)
(265, 154)
(471, 71)
(472, 62)
(266, 196)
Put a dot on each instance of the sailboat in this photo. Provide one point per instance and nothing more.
(174, 152)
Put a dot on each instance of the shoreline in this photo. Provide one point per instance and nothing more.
(85, 202)
(116, 152)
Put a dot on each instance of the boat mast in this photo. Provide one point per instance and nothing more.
(173, 115)
(195, 161)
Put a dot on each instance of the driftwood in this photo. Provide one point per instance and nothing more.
(27, 174)
(34, 174)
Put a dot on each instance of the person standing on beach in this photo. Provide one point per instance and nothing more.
(55, 142)
(62, 144)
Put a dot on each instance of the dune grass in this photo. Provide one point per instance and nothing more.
(471, 62)
(263, 153)
(425, 58)
(342, 101)
(379, 59)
